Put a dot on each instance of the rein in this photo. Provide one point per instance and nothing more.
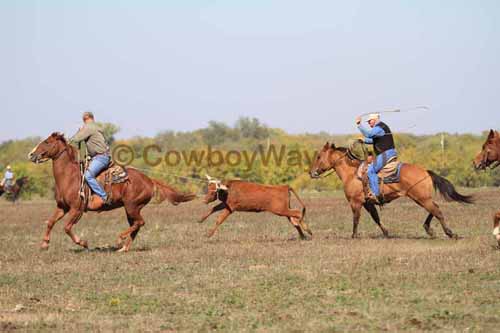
(332, 168)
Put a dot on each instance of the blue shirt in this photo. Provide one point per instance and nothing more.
(371, 133)
(8, 175)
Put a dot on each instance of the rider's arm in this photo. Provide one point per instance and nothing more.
(368, 141)
(82, 135)
(372, 132)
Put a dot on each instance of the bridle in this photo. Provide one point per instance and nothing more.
(484, 161)
(332, 167)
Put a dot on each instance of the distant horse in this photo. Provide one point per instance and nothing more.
(15, 190)
(133, 194)
(415, 183)
(489, 157)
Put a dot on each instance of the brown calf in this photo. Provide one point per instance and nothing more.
(241, 196)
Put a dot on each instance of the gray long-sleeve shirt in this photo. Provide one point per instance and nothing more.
(93, 137)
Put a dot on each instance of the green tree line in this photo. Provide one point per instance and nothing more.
(449, 155)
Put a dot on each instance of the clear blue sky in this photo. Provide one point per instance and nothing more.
(300, 65)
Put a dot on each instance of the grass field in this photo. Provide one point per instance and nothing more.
(254, 274)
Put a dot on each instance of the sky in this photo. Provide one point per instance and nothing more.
(304, 66)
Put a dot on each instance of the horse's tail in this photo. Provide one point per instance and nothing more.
(163, 191)
(300, 202)
(447, 190)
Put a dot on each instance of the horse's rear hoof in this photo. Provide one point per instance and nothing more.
(44, 246)
(84, 243)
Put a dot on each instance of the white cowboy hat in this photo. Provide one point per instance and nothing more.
(8, 167)
(373, 116)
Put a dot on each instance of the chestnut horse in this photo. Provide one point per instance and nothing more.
(415, 183)
(15, 190)
(133, 194)
(489, 157)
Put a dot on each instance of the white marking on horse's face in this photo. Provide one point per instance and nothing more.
(33, 150)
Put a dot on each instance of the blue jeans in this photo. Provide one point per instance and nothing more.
(377, 165)
(97, 164)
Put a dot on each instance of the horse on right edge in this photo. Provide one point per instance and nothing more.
(489, 157)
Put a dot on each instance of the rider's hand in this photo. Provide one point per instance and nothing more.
(358, 120)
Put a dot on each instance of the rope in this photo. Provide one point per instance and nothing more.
(170, 174)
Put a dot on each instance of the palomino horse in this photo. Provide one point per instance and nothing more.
(489, 157)
(15, 190)
(415, 183)
(134, 194)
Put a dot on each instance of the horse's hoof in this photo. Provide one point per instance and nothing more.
(355, 236)
(84, 244)
(44, 246)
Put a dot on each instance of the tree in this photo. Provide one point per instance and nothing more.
(109, 130)
(218, 132)
(252, 128)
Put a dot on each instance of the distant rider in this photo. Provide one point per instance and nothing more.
(98, 149)
(380, 136)
(8, 178)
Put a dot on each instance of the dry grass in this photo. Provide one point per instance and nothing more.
(254, 275)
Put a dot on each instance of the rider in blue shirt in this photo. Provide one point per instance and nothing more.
(380, 136)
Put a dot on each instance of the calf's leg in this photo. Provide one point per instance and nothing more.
(212, 210)
(220, 219)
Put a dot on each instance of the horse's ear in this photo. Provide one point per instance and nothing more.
(333, 146)
(326, 146)
(492, 134)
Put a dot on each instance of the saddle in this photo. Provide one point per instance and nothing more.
(114, 174)
(390, 174)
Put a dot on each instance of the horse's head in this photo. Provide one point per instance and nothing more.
(325, 160)
(48, 149)
(490, 152)
(22, 181)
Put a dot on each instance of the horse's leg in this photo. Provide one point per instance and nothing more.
(74, 217)
(135, 221)
(56, 216)
(427, 226)
(356, 214)
(376, 218)
(496, 227)
(433, 209)
(220, 219)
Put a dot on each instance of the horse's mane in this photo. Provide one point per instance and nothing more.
(352, 160)
(72, 151)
